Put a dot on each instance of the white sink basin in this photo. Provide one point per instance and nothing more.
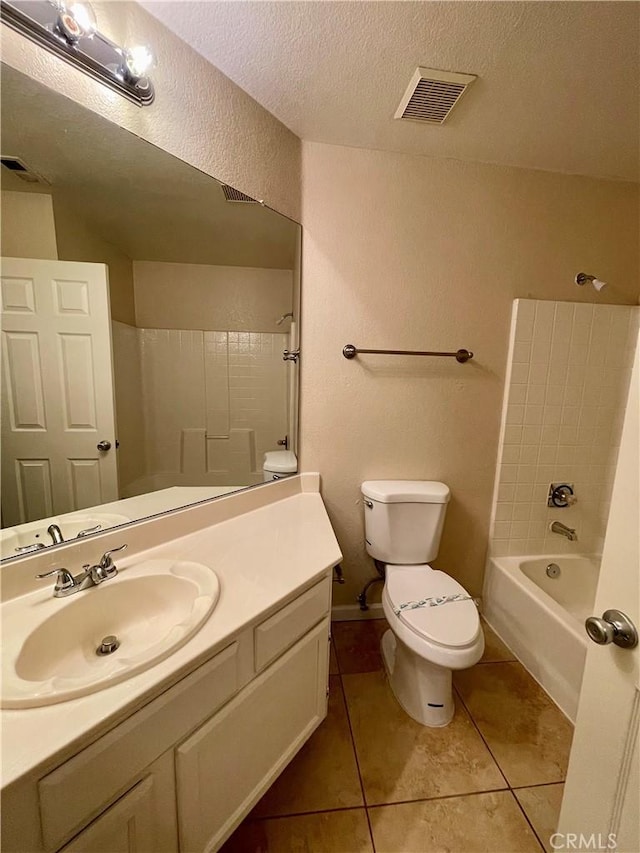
(70, 525)
(49, 644)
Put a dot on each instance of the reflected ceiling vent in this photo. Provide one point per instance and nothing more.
(232, 194)
(432, 95)
(20, 170)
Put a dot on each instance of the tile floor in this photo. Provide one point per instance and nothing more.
(371, 780)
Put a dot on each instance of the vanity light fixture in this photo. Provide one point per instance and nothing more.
(69, 29)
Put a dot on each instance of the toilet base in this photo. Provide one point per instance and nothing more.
(423, 689)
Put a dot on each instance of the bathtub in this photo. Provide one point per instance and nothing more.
(541, 618)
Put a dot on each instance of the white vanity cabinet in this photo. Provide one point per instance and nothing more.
(230, 761)
(180, 773)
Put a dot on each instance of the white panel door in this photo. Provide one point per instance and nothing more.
(601, 806)
(57, 389)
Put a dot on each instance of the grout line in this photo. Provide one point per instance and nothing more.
(355, 753)
(537, 785)
(475, 725)
(262, 818)
(439, 797)
(526, 817)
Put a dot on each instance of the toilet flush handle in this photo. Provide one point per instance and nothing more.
(368, 503)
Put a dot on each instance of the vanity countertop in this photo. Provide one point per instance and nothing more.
(262, 557)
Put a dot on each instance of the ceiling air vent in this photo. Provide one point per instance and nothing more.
(15, 165)
(232, 194)
(432, 95)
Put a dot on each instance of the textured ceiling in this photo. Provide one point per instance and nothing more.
(152, 206)
(558, 87)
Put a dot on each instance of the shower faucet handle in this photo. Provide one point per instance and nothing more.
(561, 495)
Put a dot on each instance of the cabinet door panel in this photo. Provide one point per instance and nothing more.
(228, 763)
(83, 786)
(127, 827)
(141, 821)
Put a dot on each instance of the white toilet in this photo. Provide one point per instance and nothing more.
(435, 626)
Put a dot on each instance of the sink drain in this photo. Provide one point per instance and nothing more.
(108, 645)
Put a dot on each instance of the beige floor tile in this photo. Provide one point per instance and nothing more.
(494, 649)
(527, 734)
(326, 832)
(358, 644)
(334, 669)
(480, 823)
(324, 774)
(542, 807)
(401, 760)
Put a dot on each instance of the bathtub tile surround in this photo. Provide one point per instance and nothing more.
(406, 770)
(568, 376)
(233, 384)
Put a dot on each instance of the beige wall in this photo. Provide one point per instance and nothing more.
(200, 296)
(199, 115)
(407, 252)
(76, 242)
(28, 229)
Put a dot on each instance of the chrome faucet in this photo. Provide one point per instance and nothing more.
(563, 530)
(67, 584)
(55, 533)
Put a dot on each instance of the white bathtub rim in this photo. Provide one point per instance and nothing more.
(549, 604)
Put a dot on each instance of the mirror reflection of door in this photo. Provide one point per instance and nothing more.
(57, 398)
(203, 293)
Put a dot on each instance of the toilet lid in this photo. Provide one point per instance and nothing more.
(452, 624)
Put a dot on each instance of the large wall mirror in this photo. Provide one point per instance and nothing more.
(145, 311)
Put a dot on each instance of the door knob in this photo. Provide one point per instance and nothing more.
(614, 627)
(104, 445)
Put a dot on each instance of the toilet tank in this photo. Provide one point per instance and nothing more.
(404, 519)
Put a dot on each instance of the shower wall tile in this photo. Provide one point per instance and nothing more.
(566, 391)
(229, 386)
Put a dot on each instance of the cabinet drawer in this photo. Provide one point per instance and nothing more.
(281, 630)
(81, 788)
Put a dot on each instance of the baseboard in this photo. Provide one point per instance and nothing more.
(350, 612)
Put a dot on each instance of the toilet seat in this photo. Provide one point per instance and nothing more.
(453, 624)
(449, 635)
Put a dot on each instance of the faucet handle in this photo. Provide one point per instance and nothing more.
(88, 530)
(28, 549)
(105, 561)
(64, 578)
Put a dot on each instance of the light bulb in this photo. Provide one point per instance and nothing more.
(85, 17)
(77, 20)
(139, 59)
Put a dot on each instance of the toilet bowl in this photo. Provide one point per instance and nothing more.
(434, 622)
(425, 643)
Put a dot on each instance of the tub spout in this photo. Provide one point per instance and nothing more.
(563, 530)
